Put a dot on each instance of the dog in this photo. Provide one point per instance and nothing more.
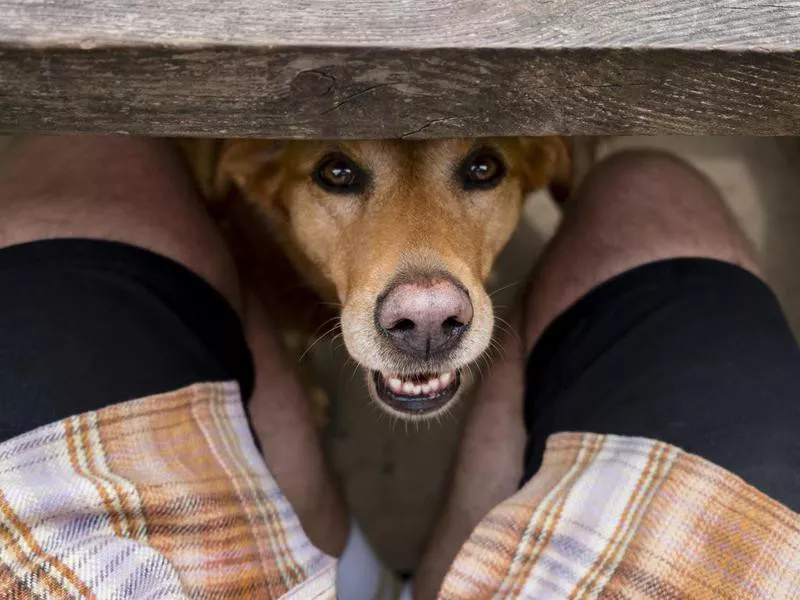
(400, 235)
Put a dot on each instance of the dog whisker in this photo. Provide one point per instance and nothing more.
(348, 359)
(338, 336)
(489, 357)
(494, 352)
(508, 328)
(477, 366)
(382, 415)
(502, 323)
(487, 365)
(316, 341)
(486, 362)
(331, 304)
(505, 287)
(324, 324)
(452, 415)
(501, 327)
(494, 347)
(469, 370)
(498, 351)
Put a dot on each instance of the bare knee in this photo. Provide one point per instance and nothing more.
(650, 205)
(130, 190)
(655, 163)
(635, 208)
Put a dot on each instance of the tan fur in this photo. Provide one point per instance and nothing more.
(415, 216)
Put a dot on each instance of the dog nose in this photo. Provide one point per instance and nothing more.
(424, 317)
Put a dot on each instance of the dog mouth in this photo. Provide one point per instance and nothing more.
(416, 394)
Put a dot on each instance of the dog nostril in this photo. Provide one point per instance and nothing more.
(451, 325)
(424, 317)
(402, 325)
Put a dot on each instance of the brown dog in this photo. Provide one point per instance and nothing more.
(402, 235)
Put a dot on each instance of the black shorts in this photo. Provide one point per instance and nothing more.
(690, 351)
(85, 324)
(693, 352)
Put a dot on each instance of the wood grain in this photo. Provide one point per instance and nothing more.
(400, 68)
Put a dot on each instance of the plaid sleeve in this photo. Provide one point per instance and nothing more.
(617, 517)
(162, 497)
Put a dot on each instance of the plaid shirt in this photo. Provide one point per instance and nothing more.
(167, 497)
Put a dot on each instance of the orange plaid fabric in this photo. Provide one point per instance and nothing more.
(167, 497)
(616, 517)
(163, 497)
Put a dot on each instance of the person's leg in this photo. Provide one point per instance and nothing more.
(634, 209)
(648, 318)
(284, 424)
(123, 189)
(116, 284)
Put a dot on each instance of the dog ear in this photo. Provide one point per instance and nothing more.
(548, 161)
(247, 165)
(201, 158)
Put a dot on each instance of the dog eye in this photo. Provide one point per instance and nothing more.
(482, 170)
(338, 174)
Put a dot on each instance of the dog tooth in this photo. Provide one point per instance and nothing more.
(434, 384)
(408, 387)
(395, 384)
(417, 390)
(445, 378)
(426, 388)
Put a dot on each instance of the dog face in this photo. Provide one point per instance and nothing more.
(402, 234)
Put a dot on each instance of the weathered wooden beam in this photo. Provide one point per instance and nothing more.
(400, 68)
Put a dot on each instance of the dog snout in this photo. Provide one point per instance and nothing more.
(424, 317)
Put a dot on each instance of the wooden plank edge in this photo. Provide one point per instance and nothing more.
(369, 93)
